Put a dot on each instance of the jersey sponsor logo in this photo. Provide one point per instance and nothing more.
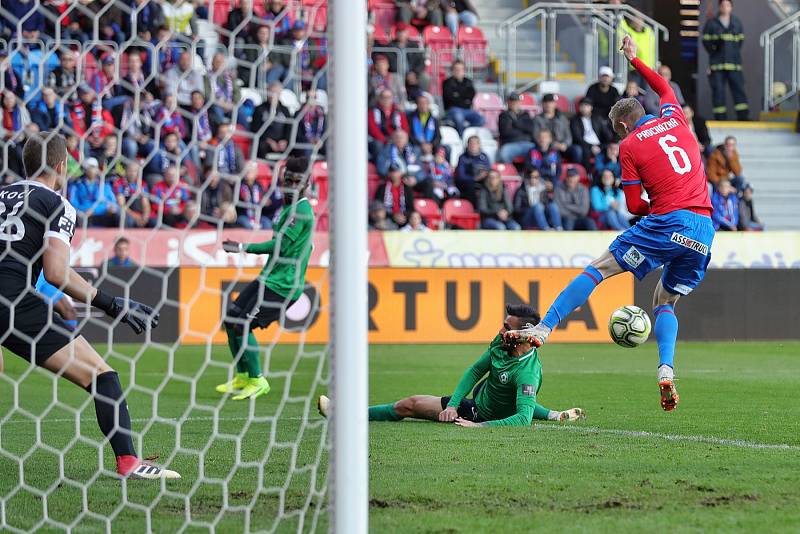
(527, 389)
(633, 257)
(689, 243)
(504, 378)
(682, 289)
(66, 226)
(657, 129)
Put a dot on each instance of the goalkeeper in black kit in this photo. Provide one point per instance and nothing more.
(506, 397)
(36, 229)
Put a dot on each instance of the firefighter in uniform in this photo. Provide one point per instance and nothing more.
(722, 38)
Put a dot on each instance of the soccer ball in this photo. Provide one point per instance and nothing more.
(629, 326)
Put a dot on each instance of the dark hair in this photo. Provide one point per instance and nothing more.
(43, 152)
(524, 313)
(122, 241)
(297, 164)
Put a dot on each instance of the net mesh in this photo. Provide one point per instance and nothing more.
(176, 172)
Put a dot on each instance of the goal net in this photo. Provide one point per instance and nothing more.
(179, 118)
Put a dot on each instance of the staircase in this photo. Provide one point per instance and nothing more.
(770, 157)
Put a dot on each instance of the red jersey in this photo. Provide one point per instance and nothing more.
(662, 155)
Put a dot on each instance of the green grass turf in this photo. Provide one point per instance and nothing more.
(425, 477)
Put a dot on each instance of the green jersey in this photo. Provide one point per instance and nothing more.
(289, 250)
(509, 395)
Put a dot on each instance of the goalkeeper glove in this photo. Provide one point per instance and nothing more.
(137, 315)
(232, 246)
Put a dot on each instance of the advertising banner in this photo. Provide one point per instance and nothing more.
(407, 305)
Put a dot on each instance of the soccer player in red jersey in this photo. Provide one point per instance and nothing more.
(661, 155)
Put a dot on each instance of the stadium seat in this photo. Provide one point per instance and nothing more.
(244, 140)
(264, 173)
(562, 103)
(429, 211)
(319, 176)
(527, 102)
(506, 170)
(460, 213)
(220, 9)
(89, 65)
(439, 42)
(319, 17)
(511, 183)
(321, 218)
(452, 140)
(490, 105)
(384, 16)
(373, 180)
(473, 45)
(411, 30)
(577, 102)
(581, 171)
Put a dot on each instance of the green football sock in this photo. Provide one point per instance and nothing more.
(383, 412)
(235, 346)
(251, 356)
(544, 414)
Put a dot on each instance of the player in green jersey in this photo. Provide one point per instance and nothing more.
(280, 283)
(507, 397)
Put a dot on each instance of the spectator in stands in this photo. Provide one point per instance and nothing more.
(121, 257)
(748, 221)
(272, 123)
(412, 52)
(47, 112)
(603, 94)
(183, 79)
(459, 11)
(698, 126)
(608, 202)
(181, 18)
(645, 39)
(169, 200)
(224, 156)
(90, 120)
(169, 51)
(242, 25)
(545, 157)
(590, 134)
(108, 157)
(723, 164)
(74, 169)
(555, 121)
(94, 198)
(378, 219)
(12, 130)
(415, 223)
(216, 201)
(424, 127)
(32, 64)
(653, 100)
(255, 206)
(401, 154)
(413, 86)
(573, 203)
(633, 90)
(473, 167)
(148, 16)
(64, 78)
(169, 154)
(260, 66)
(440, 174)
(457, 94)
(279, 17)
(223, 89)
(723, 36)
(421, 12)
(516, 131)
(534, 205)
(383, 120)
(132, 197)
(171, 119)
(135, 82)
(104, 83)
(109, 20)
(608, 159)
(309, 56)
(726, 207)
(311, 126)
(8, 78)
(381, 79)
(201, 122)
(26, 11)
(494, 205)
(396, 195)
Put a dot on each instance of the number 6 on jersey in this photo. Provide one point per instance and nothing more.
(670, 151)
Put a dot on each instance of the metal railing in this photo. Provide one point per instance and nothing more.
(787, 29)
(601, 24)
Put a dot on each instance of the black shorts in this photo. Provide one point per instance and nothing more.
(257, 306)
(28, 326)
(466, 410)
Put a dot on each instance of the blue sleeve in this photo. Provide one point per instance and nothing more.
(598, 200)
(716, 215)
(461, 171)
(77, 198)
(383, 163)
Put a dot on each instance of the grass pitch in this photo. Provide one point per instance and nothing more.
(726, 460)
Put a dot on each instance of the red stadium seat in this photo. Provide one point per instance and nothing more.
(411, 30)
(319, 175)
(440, 42)
(220, 9)
(429, 211)
(89, 65)
(577, 103)
(473, 45)
(507, 170)
(490, 105)
(320, 18)
(581, 171)
(321, 218)
(511, 183)
(562, 103)
(384, 15)
(244, 140)
(527, 102)
(373, 180)
(264, 173)
(458, 212)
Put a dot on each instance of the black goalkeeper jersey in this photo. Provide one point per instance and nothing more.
(30, 212)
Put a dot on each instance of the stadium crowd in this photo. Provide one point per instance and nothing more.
(158, 136)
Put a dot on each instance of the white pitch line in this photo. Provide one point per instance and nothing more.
(256, 419)
(739, 443)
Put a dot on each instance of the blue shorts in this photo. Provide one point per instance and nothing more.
(680, 241)
(50, 293)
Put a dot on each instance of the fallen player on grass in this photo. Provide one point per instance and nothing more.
(507, 397)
